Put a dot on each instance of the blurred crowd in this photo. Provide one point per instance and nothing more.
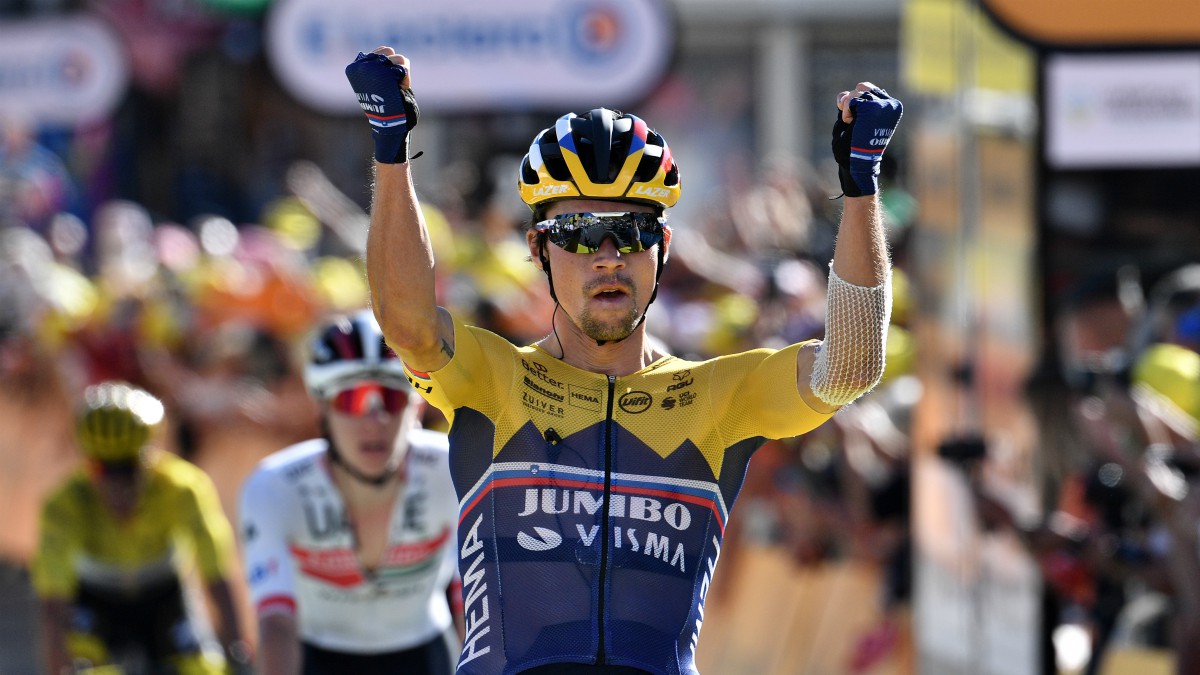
(1119, 413)
(199, 284)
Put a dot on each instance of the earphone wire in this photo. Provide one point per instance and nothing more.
(562, 353)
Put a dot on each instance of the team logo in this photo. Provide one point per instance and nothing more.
(596, 32)
(634, 402)
(668, 403)
(76, 69)
(546, 539)
(588, 399)
(543, 391)
(550, 190)
(683, 379)
(651, 191)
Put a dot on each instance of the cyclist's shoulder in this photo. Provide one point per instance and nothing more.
(678, 367)
(73, 493)
(491, 345)
(290, 466)
(752, 358)
(429, 459)
(299, 454)
(174, 473)
(428, 443)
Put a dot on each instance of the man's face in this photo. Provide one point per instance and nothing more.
(605, 292)
(365, 421)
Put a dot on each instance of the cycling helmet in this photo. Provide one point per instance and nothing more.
(602, 155)
(347, 349)
(117, 421)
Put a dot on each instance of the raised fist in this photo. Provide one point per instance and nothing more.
(381, 82)
(867, 118)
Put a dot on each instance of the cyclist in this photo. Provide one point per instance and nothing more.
(111, 560)
(349, 539)
(594, 471)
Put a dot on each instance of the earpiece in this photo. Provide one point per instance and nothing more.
(546, 265)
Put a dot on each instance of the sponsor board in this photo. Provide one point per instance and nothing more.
(60, 72)
(469, 54)
(1123, 110)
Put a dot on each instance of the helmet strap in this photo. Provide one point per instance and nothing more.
(562, 353)
(662, 263)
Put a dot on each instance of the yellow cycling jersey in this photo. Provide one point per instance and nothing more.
(592, 507)
(82, 541)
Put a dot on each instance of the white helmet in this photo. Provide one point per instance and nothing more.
(348, 349)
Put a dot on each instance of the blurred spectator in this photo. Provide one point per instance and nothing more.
(1120, 537)
(34, 182)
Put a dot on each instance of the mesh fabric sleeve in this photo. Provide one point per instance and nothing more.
(850, 359)
(265, 511)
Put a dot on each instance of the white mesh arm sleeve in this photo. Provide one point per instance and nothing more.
(851, 357)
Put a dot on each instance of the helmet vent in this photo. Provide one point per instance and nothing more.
(553, 161)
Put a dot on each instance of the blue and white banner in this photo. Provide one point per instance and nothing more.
(60, 71)
(477, 54)
(1123, 110)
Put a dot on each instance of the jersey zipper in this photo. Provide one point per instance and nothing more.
(604, 540)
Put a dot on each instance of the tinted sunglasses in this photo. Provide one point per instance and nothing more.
(121, 470)
(584, 232)
(368, 397)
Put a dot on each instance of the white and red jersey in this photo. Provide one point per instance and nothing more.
(300, 553)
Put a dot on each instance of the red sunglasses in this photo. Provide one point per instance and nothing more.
(368, 397)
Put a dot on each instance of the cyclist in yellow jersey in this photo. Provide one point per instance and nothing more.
(116, 539)
(594, 471)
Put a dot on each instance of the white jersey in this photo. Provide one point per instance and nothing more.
(300, 553)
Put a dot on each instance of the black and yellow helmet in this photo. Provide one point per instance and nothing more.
(603, 154)
(116, 421)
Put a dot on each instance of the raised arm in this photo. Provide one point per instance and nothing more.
(849, 361)
(399, 254)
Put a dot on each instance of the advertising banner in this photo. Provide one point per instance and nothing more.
(59, 71)
(475, 54)
(1122, 110)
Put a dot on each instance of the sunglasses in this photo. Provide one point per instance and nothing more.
(119, 470)
(368, 397)
(584, 232)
